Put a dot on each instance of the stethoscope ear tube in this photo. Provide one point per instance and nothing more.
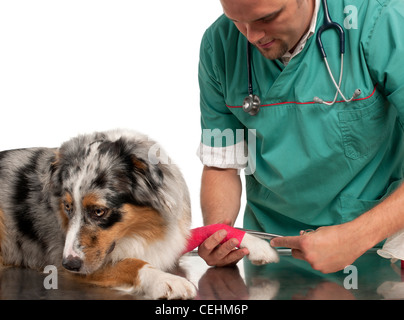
(252, 103)
(341, 33)
(329, 24)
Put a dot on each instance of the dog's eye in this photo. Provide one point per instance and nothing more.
(68, 208)
(99, 212)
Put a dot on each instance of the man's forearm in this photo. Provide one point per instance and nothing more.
(383, 220)
(220, 203)
(220, 195)
(332, 248)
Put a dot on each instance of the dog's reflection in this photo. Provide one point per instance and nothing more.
(28, 284)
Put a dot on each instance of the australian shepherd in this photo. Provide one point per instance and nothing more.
(103, 206)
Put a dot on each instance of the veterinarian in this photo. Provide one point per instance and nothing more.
(331, 165)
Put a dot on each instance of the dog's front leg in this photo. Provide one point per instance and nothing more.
(139, 276)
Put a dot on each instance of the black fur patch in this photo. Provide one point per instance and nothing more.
(24, 189)
(114, 217)
(100, 182)
(116, 148)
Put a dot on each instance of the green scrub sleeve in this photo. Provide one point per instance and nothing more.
(384, 53)
(222, 139)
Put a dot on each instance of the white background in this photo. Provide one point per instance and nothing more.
(78, 66)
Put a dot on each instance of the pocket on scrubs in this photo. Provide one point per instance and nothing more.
(363, 129)
(354, 207)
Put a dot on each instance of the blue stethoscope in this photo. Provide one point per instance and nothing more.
(252, 103)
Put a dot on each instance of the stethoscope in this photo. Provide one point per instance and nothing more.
(252, 103)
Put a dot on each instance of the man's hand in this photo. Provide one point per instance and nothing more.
(222, 283)
(328, 249)
(220, 203)
(219, 255)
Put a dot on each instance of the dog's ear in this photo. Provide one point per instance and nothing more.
(139, 164)
(55, 161)
(154, 174)
(55, 181)
(151, 172)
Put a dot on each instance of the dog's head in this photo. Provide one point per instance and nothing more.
(107, 190)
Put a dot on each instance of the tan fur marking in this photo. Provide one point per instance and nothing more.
(63, 217)
(57, 158)
(91, 199)
(145, 223)
(139, 164)
(95, 243)
(66, 199)
(124, 272)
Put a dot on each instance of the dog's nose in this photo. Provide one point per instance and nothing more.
(72, 263)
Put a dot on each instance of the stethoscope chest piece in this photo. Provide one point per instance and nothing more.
(252, 104)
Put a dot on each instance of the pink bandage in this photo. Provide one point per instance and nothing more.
(199, 235)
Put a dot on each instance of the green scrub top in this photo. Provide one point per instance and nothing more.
(314, 165)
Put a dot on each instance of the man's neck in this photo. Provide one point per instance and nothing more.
(308, 23)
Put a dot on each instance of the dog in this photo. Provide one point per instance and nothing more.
(102, 206)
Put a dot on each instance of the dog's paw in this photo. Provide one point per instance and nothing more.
(162, 285)
(171, 287)
(260, 250)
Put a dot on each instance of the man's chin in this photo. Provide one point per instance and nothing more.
(277, 51)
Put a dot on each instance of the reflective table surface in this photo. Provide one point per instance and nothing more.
(370, 277)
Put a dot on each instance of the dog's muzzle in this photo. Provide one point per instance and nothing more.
(72, 263)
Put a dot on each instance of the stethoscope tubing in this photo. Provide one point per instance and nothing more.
(330, 24)
(249, 68)
(252, 103)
